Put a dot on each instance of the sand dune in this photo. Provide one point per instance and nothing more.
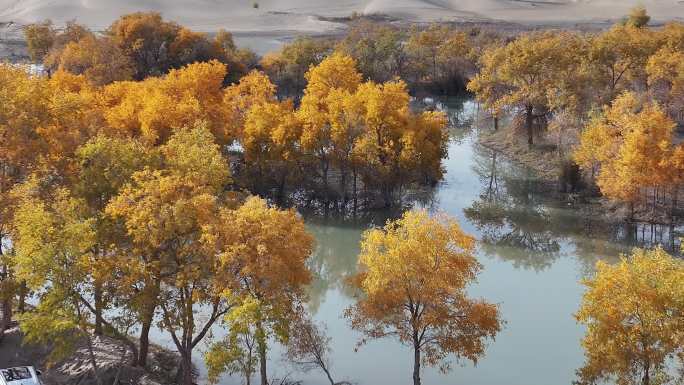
(299, 15)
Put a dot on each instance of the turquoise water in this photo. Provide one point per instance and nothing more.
(534, 249)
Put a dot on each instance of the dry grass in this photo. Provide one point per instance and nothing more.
(542, 158)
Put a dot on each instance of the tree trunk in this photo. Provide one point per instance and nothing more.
(528, 125)
(262, 363)
(23, 291)
(93, 361)
(434, 68)
(646, 380)
(281, 188)
(343, 186)
(151, 292)
(89, 341)
(355, 191)
(327, 373)
(6, 316)
(145, 340)
(97, 294)
(324, 169)
(416, 362)
(186, 367)
(6, 305)
(674, 203)
(496, 123)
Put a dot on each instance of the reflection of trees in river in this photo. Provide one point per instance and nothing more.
(512, 224)
(338, 234)
(521, 220)
(337, 247)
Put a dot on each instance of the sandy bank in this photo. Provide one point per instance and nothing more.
(76, 369)
(301, 15)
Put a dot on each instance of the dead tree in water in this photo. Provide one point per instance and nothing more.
(309, 348)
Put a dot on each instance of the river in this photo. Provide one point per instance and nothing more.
(535, 251)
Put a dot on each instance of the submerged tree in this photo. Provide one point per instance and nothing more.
(522, 75)
(414, 276)
(309, 347)
(629, 148)
(633, 313)
(368, 130)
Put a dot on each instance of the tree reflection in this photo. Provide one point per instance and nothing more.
(337, 247)
(521, 220)
(511, 223)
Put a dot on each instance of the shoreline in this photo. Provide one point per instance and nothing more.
(112, 362)
(546, 166)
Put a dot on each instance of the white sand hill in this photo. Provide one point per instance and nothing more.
(299, 15)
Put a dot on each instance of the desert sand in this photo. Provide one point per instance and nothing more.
(264, 28)
(301, 15)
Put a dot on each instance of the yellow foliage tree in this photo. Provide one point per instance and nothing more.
(618, 57)
(270, 142)
(264, 253)
(253, 89)
(42, 122)
(39, 37)
(367, 129)
(440, 55)
(104, 166)
(99, 59)
(152, 109)
(289, 66)
(665, 72)
(525, 75)
(145, 38)
(337, 72)
(378, 48)
(630, 146)
(632, 312)
(54, 242)
(413, 276)
(166, 213)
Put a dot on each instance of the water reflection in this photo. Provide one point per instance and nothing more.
(523, 220)
(509, 216)
(334, 259)
(535, 248)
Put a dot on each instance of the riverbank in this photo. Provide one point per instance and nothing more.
(111, 356)
(544, 161)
